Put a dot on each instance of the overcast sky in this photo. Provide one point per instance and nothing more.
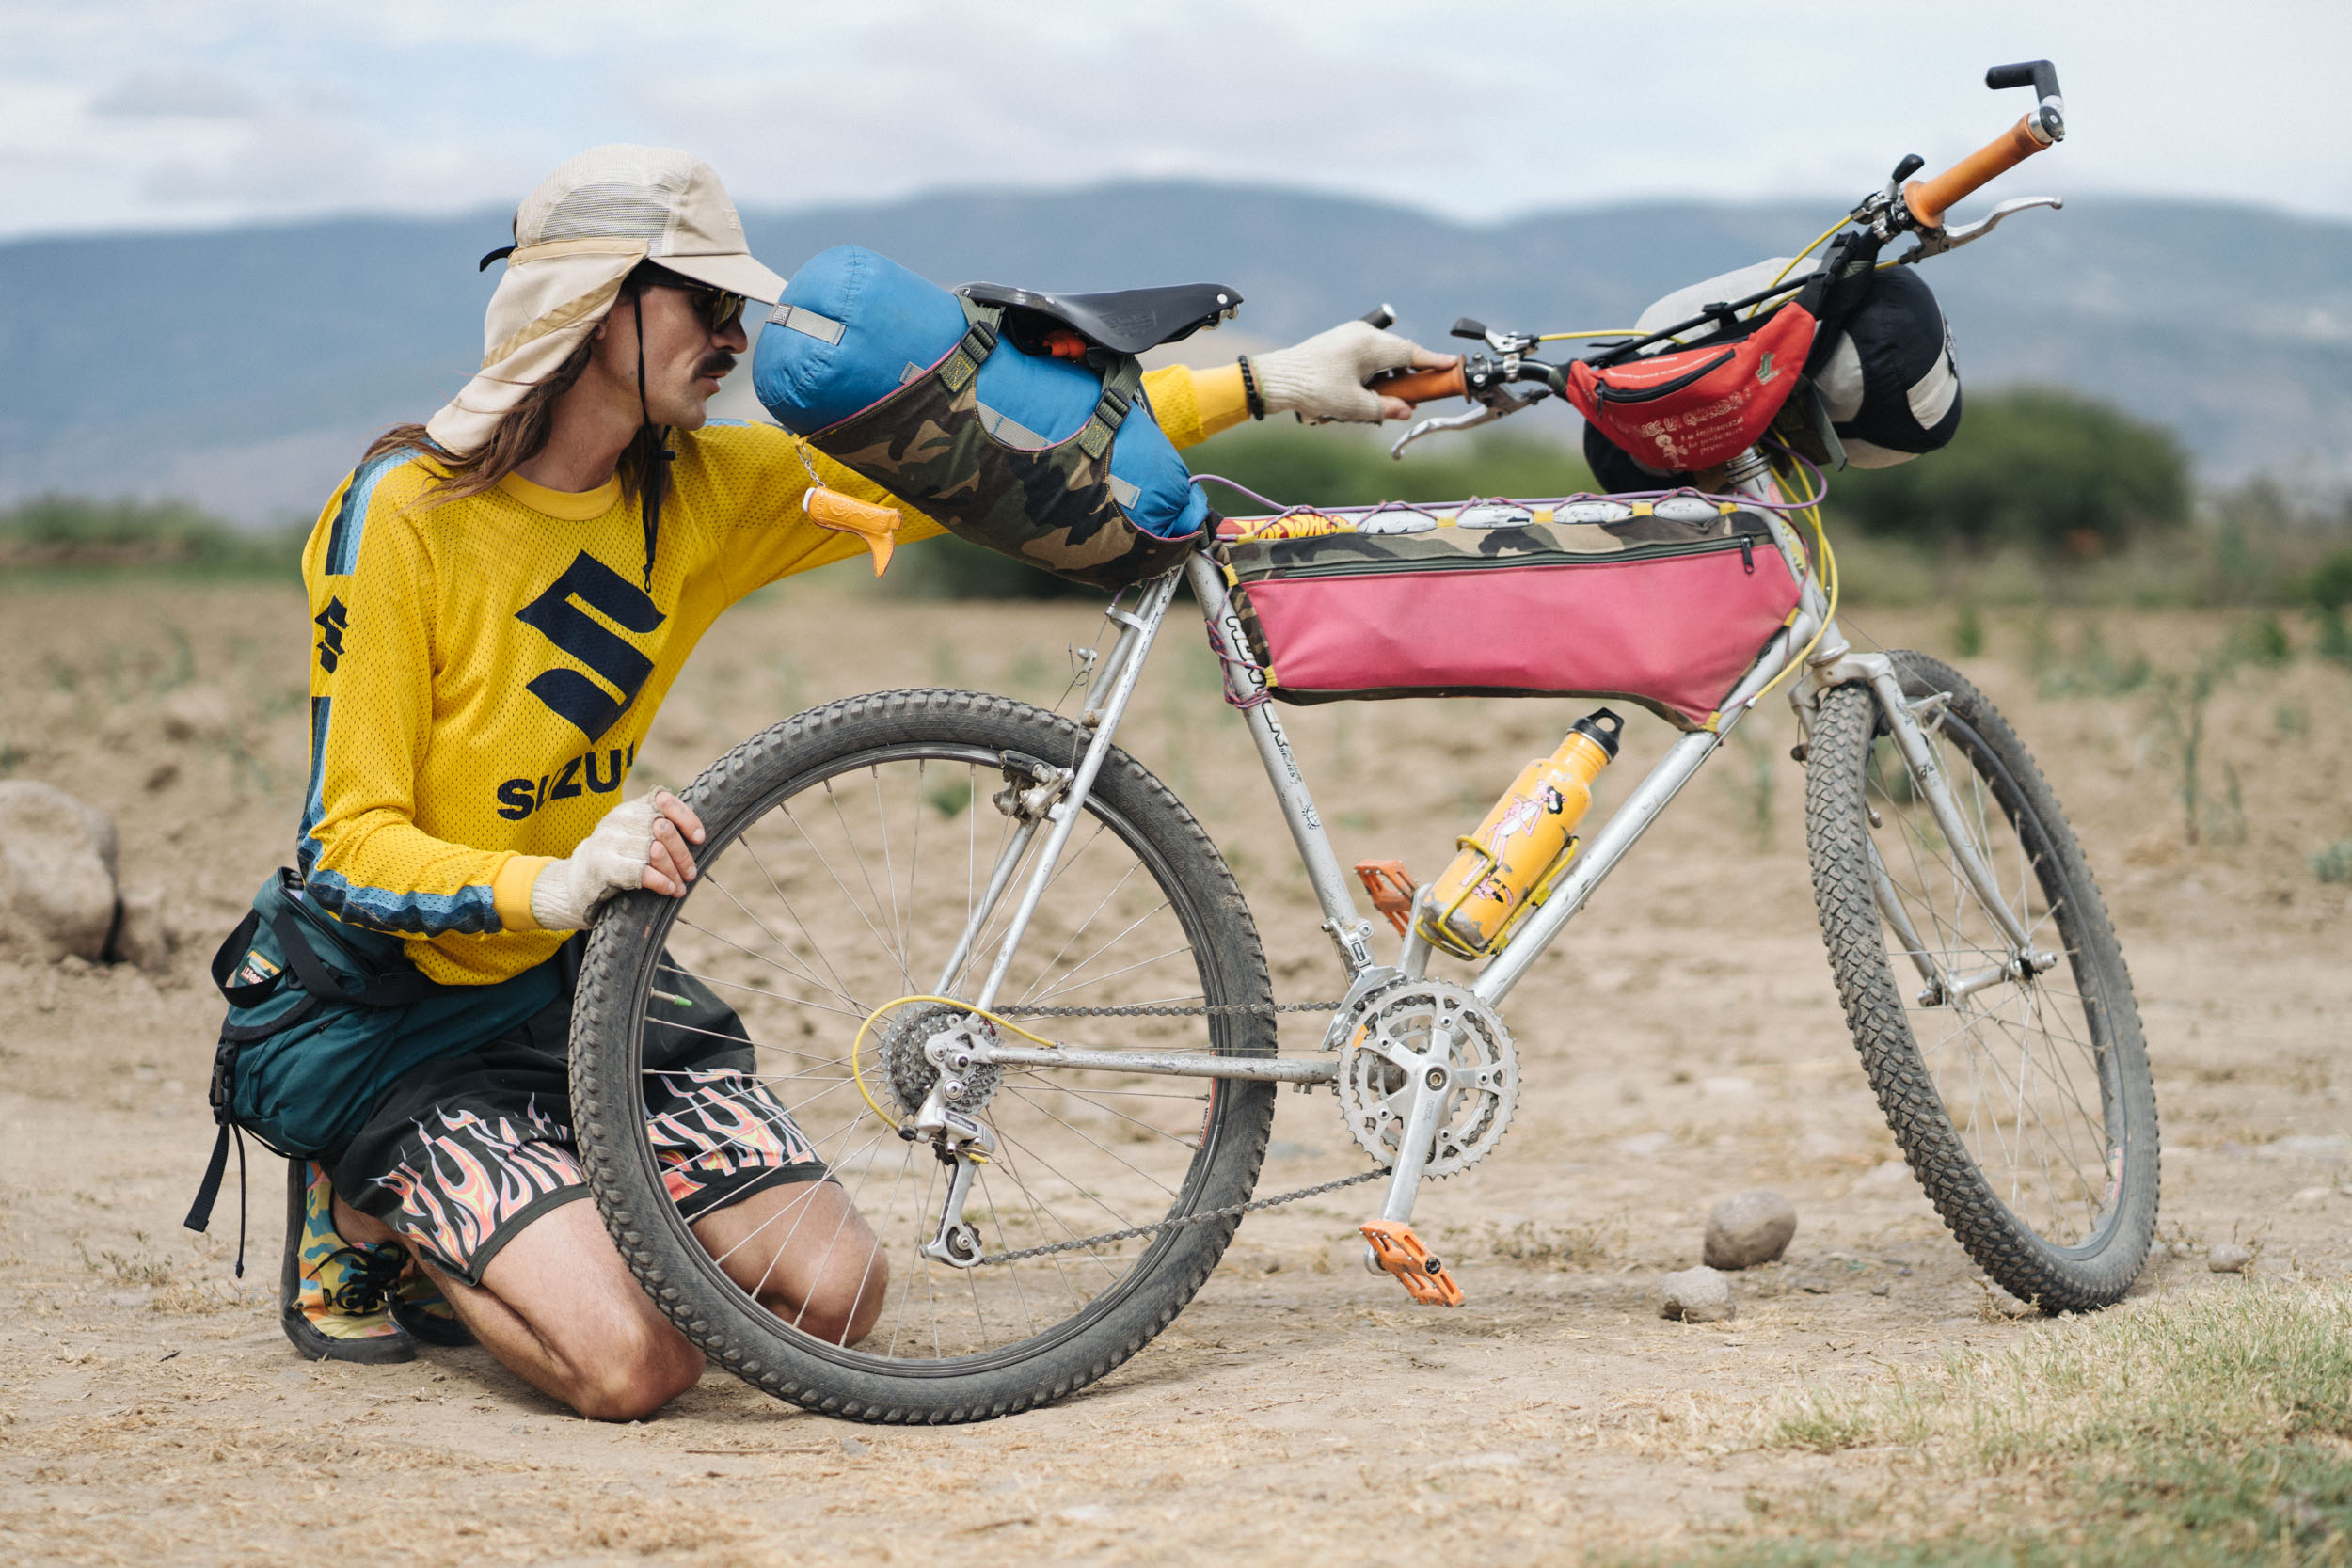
(121, 113)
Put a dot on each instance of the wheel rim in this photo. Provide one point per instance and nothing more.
(2023, 1068)
(848, 888)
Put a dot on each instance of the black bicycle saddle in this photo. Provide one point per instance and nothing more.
(1126, 321)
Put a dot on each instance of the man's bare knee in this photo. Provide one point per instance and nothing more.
(628, 1383)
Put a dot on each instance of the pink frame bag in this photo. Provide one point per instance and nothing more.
(1668, 612)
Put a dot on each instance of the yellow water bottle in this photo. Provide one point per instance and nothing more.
(1507, 866)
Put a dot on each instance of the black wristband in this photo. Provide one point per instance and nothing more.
(1250, 396)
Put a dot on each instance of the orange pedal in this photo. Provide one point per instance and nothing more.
(1395, 1248)
(1392, 888)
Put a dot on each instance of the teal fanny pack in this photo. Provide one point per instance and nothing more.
(323, 1015)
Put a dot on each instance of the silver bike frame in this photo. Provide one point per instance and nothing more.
(1831, 662)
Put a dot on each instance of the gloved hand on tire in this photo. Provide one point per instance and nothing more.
(1323, 378)
(641, 843)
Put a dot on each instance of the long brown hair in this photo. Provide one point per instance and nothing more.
(520, 435)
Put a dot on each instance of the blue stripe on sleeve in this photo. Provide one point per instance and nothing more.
(468, 911)
(351, 519)
(314, 798)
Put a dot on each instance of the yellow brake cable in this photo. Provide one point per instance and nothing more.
(1809, 508)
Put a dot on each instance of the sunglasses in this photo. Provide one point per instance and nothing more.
(716, 308)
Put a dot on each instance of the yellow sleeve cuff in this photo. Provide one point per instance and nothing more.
(1218, 399)
(1192, 405)
(510, 890)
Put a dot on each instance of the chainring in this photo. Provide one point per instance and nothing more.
(911, 1074)
(1376, 1085)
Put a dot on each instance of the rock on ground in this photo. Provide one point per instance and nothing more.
(1748, 1229)
(1699, 1295)
(2230, 1258)
(57, 871)
(144, 937)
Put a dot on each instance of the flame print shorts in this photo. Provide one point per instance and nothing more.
(462, 1152)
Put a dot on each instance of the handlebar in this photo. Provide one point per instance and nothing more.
(1927, 201)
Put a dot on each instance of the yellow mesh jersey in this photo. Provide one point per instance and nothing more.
(484, 670)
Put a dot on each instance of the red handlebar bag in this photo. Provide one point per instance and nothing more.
(1695, 407)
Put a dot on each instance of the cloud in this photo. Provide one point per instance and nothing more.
(128, 112)
(175, 94)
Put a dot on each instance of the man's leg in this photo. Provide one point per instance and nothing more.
(560, 1310)
(806, 1253)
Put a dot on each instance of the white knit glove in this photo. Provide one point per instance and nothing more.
(611, 860)
(1324, 377)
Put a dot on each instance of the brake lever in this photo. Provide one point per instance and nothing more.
(1485, 413)
(1936, 241)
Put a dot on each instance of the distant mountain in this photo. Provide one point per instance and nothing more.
(246, 368)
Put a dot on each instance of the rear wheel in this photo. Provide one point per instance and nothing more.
(846, 848)
(2023, 1101)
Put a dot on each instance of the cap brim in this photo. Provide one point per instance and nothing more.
(738, 274)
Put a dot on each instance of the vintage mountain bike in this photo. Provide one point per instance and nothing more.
(1012, 995)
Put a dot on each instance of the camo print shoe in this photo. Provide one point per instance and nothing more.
(418, 1306)
(335, 1300)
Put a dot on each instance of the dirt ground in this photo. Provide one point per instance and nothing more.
(1681, 1043)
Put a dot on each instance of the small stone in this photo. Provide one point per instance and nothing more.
(1698, 1295)
(2230, 1258)
(1748, 1229)
(852, 1448)
(142, 938)
(57, 871)
(1882, 1288)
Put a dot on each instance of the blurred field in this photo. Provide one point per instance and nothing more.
(1681, 1043)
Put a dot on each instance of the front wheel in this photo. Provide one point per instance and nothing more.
(2019, 1090)
(846, 851)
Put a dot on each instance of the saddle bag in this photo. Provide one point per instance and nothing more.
(1663, 603)
(1045, 452)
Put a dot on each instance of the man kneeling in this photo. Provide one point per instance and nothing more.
(502, 598)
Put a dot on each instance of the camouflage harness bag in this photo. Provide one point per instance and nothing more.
(990, 412)
(1055, 507)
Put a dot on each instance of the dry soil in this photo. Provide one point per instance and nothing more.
(1682, 1043)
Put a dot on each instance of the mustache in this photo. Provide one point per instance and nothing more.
(717, 365)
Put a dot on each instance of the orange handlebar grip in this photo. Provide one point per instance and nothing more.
(1929, 199)
(1421, 386)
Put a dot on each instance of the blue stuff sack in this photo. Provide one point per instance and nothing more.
(1056, 462)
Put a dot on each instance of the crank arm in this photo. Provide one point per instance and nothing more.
(1433, 1096)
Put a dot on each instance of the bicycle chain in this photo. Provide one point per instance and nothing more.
(1135, 1230)
(1214, 1010)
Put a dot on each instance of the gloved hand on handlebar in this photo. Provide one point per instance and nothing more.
(1324, 377)
(639, 844)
